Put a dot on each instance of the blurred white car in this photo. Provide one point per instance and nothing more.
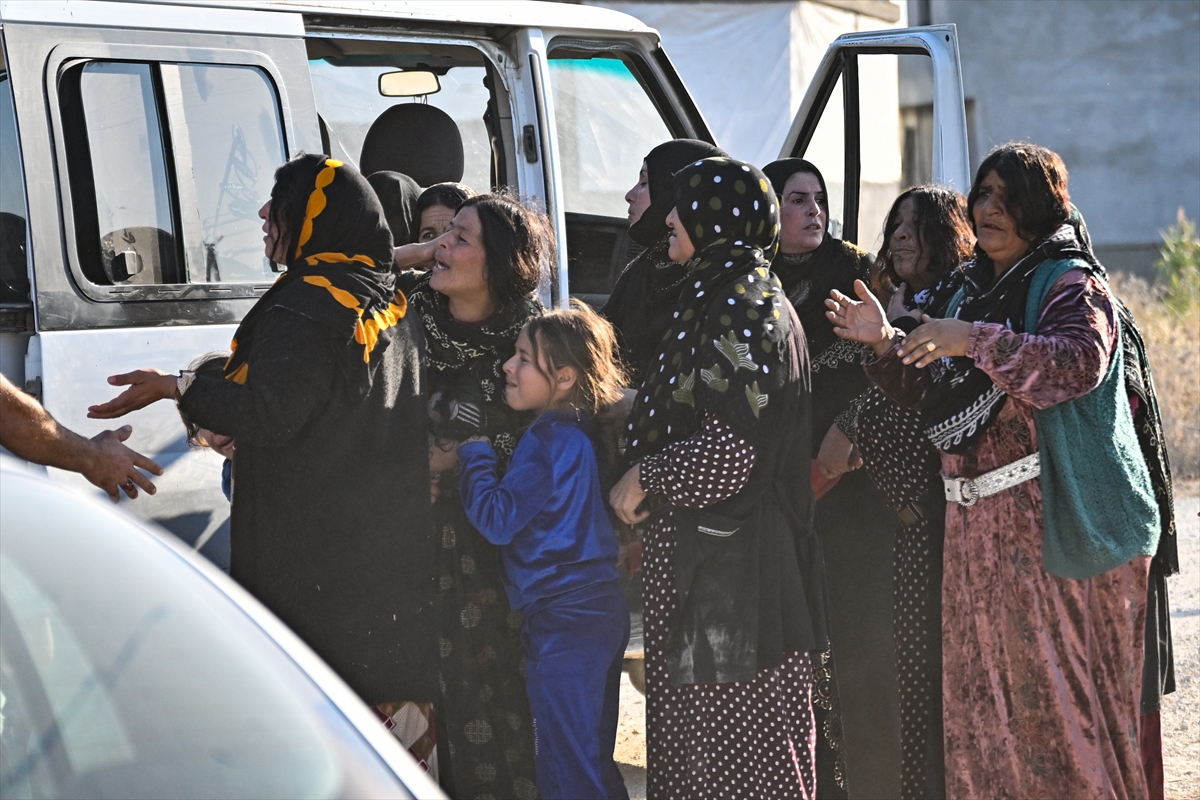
(131, 668)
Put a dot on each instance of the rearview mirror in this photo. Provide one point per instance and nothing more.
(409, 83)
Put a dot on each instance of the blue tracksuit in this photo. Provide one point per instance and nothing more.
(559, 559)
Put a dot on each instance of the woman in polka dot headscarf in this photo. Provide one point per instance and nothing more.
(719, 442)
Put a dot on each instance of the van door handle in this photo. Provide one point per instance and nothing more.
(529, 141)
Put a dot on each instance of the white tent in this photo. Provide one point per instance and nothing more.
(748, 65)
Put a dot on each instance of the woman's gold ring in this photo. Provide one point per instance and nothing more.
(930, 346)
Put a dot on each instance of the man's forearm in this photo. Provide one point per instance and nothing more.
(28, 431)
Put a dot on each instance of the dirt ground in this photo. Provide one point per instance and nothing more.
(1181, 710)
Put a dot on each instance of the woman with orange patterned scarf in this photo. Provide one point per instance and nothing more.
(323, 396)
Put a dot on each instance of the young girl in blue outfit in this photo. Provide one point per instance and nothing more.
(558, 550)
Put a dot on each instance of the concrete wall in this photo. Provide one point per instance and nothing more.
(1112, 87)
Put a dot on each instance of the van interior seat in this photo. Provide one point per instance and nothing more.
(417, 139)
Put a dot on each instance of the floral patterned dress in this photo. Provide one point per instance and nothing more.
(484, 730)
(1042, 674)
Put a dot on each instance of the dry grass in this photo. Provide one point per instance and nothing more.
(1173, 346)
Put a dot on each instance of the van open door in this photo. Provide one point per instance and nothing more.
(849, 124)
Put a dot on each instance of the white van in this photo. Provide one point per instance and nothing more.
(138, 140)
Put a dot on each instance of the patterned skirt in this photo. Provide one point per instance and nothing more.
(752, 739)
(484, 727)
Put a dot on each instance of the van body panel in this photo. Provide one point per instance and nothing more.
(152, 15)
(511, 13)
(74, 367)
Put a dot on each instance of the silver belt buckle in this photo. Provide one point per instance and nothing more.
(963, 491)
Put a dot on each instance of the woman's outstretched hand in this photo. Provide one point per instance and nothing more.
(627, 495)
(146, 386)
(936, 338)
(861, 321)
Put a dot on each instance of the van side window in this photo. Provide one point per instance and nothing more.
(169, 164)
(134, 208)
(14, 270)
(606, 124)
(228, 142)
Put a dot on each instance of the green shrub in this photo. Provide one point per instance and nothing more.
(1179, 264)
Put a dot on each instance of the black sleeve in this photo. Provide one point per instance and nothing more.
(292, 370)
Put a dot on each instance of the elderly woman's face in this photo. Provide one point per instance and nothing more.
(679, 245)
(910, 257)
(995, 228)
(460, 264)
(638, 197)
(434, 221)
(803, 214)
(273, 244)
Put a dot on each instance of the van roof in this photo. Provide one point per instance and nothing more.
(511, 13)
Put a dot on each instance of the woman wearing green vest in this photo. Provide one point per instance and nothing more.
(1052, 517)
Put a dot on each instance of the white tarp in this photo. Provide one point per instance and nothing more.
(748, 65)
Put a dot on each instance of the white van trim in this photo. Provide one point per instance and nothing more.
(90, 13)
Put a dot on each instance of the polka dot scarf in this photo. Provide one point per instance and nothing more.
(722, 351)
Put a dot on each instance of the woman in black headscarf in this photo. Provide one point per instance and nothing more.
(719, 439)
(331, 526)
(641, 303)
(398, 194)
(855, 524)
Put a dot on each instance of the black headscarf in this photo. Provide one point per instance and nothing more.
(340, 273)
(641, 303)
(398, 195)
(709, 359)
(808, 278)
(661, 165)
(778, 172)
(449, 194)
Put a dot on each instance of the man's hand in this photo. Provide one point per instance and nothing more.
(31, 433)
(112, 466)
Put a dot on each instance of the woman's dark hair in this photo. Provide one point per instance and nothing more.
(289, 201)
(1035, 181)
(942, 228)
(450, 195)
(583, 340)
(518, 243)
(211, 364)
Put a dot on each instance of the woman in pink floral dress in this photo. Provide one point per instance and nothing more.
(1044, 587)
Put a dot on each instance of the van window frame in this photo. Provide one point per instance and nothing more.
(16, 315)
(70, 55)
